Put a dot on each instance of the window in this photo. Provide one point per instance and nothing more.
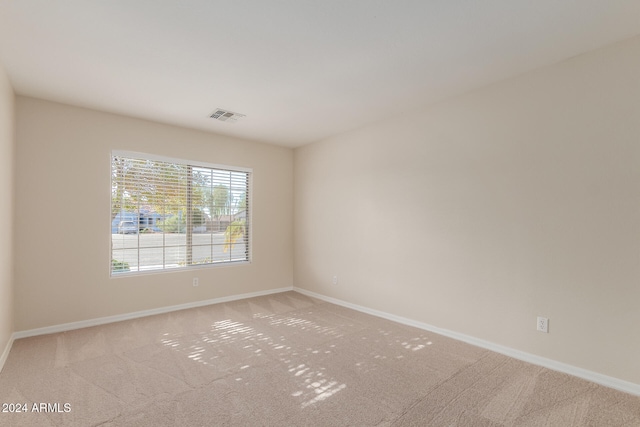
(168, 214)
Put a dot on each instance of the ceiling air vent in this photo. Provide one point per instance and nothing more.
(226, 115)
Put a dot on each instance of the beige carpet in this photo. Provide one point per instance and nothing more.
(288, 360)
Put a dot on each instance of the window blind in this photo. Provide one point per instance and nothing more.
(168, 214)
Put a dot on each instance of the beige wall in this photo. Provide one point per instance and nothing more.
(62, 220)
(6, 209)
(477, 215)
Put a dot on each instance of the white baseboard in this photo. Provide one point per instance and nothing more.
(7, 349)
(120, 317)
(615, 383)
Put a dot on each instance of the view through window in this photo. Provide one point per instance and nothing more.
(168, 213)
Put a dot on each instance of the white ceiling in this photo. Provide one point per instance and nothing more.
(301, 70)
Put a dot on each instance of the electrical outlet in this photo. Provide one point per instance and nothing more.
(542, 324)
(196, 282)
(334, 280)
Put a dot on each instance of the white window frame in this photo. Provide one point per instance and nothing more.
(164, 268)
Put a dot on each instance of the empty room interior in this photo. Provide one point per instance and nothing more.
(320, 213)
